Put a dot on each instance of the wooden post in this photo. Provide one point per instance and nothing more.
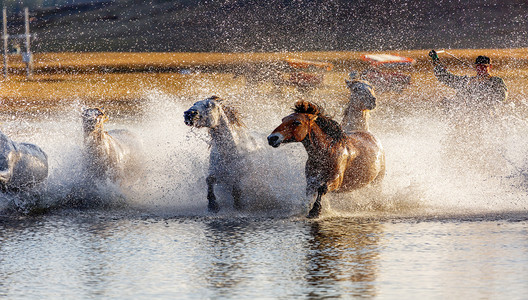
(28, 59)
(5, 36)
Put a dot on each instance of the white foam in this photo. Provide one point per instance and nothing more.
(423, 175)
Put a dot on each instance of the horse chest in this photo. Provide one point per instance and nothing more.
(327, 169)
(104, 153)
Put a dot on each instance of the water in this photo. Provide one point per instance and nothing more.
(94, 255)
(446, 224)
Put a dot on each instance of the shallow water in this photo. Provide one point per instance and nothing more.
(449, 222)
(94, 255)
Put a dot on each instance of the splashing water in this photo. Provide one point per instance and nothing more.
(425, 176)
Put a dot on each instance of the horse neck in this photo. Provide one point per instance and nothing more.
(318, 144)
(225, 137)
(356, 120)
(96, 135)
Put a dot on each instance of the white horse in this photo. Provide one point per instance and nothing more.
(22, 165)
(113, 154)
(356, 118)
(362, 101)
(230, 144)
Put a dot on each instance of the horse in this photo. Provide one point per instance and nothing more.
(337, 159)
(113, 154)
(230, 144)
(22, 165)
(362, 101)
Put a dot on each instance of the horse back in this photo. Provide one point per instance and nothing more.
(30, 167)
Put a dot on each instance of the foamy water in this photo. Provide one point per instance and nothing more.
(427, 173)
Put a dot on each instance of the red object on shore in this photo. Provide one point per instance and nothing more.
(303, 73)
(386, 80)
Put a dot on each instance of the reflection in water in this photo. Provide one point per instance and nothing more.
(343, 253)
(88, 255)
(225, 240)
(96, 265)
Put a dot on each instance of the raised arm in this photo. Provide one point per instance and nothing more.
(446, 77)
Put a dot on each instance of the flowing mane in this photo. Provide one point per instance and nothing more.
(329, 126)
(233, 116)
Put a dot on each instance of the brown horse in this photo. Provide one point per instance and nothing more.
(336, 160)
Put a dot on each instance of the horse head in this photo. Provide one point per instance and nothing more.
(93, 118)
(295, 127)
(363, 96)
(208, 113)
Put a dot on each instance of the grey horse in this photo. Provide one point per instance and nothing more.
(230, 144)
(22, 165)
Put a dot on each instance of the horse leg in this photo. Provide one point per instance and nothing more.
(316, 208)
(236, 192)
(212, 206)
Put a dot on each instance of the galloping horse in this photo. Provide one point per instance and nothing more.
(22, 165)
(230, 144)
(337, 160)
(110, 154)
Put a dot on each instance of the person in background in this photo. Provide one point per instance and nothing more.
(474, 116)
(475, 93)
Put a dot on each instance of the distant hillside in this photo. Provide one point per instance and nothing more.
(277, 25)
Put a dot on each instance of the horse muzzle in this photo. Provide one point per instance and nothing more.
(275, 139)
(190, 116)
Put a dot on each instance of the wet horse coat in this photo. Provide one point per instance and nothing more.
(108, 154)
(22, 165)
(230, 144)
(337, 160)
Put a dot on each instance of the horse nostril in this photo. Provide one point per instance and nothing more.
(189, 114)
(272, 140)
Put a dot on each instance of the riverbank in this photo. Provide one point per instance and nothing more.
(111, 62)
(124, 77)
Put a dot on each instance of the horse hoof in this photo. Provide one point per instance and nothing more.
(214, 208)
(313, 214)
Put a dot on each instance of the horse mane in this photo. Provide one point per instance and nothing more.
(305, 107)
(326, 123)
(233, 116)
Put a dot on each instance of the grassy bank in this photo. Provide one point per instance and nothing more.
(46, 63)
(125, 76)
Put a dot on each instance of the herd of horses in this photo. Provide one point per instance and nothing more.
(106, 155)
(341, 156)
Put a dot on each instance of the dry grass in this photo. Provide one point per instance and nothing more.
(125, 76)
(86, 62)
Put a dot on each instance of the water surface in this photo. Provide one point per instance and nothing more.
(449, 222)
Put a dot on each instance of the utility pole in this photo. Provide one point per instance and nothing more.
(27, 57)
(5, 36)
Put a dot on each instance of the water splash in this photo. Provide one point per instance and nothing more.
(424, 177)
